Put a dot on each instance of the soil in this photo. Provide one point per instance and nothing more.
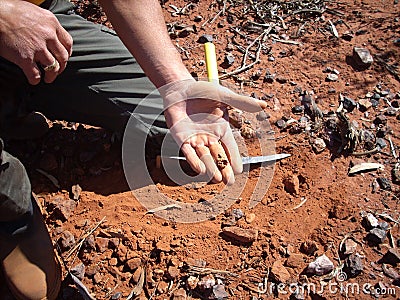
(312, 205)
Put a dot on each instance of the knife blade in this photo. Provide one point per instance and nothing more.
(246, 160)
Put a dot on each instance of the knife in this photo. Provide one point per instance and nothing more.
(246, 160)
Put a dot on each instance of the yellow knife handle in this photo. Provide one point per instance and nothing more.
(211, 62)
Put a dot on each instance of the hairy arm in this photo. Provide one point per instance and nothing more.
(140, 25)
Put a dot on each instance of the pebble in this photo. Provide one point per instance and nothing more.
(347, 36)
(67, 240)
(162, 287)
(240, 234)
(392, 257)
(219, 293)
(250, 218)
(116, 296)
(229, 60)
(298, 109)
(133, 263)
(371, 221)
(362, 57)
(391, 111)
(179, 294)
(295, 260)
(350, 246)
(380, 119)
(384, 183)
(390, 272)
(192, 282)
(292, 184)
(173, 272)
(281, 80)
(321, 266)
(308, 247)
(198, 18)
(381, 143)
(281, 124)
(269, 78)
(136, 275)
(78, 271)
(76, 191)
(101, 244)
(62, 208)
(279, 272)
(349, 104)
(353, 265)
(237, 213)
(206, 282)
(318, 145)
(332, 77)
(364, 104)
(376, 236)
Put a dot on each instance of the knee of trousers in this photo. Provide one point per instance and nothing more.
(15, 188)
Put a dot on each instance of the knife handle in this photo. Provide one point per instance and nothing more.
(211, 62)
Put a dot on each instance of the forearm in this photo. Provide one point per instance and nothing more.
(140, 25)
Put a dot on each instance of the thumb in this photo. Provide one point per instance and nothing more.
(239, 101)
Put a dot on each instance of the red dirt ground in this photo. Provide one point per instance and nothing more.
(334, 200)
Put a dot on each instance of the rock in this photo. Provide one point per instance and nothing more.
(353, 265)
(392, 257)
(133, 263)
(76, 191)
(241, 235)
(97, 278)
(173, 272)
(349, 104)
(362, 57)
(295, 260)
(308, 247)
(163, 245)
(237, 213)
(62, 208)
(236, 118)
(281, 80)
(376, 236)
(390, 272)
(292, 184)
(318, 145)
(162, 287)
(136, 275)
(250, 218)
(229, 60)
(219, 293)
(391, 111)
(384, 226)
(116, 296)
(396, 174)
(179, 294)
(205, 38)
(78, 271)
(192, 282)
(332, 77)
(370, 221)
(380, 119)
(269, 77)
(101, 244)
(281, 124)
(349, 247)
(206, 282)
(67, 240)
(381, 143)
(298, 109)
(198, 18)
(262, 116)
(364, 104)
(321, 266)
(347, 36)
(279, 272)
(113, 261)
(384, 183)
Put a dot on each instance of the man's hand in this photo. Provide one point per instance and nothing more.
(196, 113)
(31, 37)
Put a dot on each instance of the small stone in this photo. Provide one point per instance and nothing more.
(256, 75)
(240, 234)
(362, 57)
(173, 272)
(364, 104)
(269, 78)
(370, 221)
(374, 102)
(384, 226)
(353, 265)
(381, 143)
(279, 272)
(206, 282)
(78, 271)
(349, 247)
(298, 109)
(384, 183)
(198, 18)
(347, 36)
(281, 80)
(76, 191)
(392, 257)
(205, 38)
(179, 294)
(318, 145)
(292, 184)
(308, 247)
(101, 244)
(380, 119)
(116, 296)
(137, 274)
(321, 266)
(163, 245)
(349, 104)
(391, 111)
(376, 236)
(219, 293)
(97, 278)
(62, 208)
(281, 124)
(162, 287)
(192, 282)
(390, 272)
(229, 60)
(396, 175)
(113, 261)
(332, 77)
(262, 116)
(331, 90)
(295, 260)
(237, 213)
(67, 240)
(134, 263)
(250, 218)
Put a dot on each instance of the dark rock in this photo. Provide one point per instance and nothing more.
(205, 38)
(331, 90)
(362, 57)
(298, 109)
(396, 175)
(198, 18)
(237, 213)
(116, 296)
(62, 208)
(349, 104)
(381, 143)
(67, 240)
(262, 116)
(376, 96)
(395, 103)
(281, 80)
(353, 265)
(380, 119)
(391, 111)
(229, 60)
(347, 36)
(374, 102)
(308, 247)
(281, 124)
(292, 184)
(256, 75)
(392, 257)
(376, 236)
(78, 271)
(384, 183)
(269, 78)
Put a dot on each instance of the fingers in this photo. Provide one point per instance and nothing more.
(241, 102)
(207, 158)
(191, 157)
(222, 161)
(49, 64)
(230, 146)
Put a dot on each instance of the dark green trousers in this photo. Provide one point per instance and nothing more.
(101, 86)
